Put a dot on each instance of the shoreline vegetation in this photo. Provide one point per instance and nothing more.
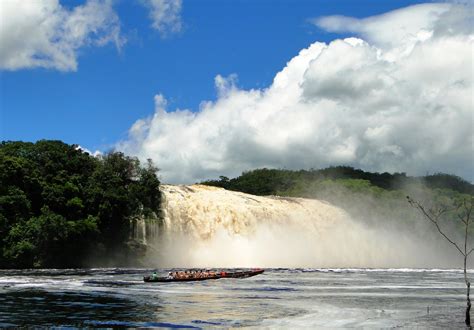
(61, 207)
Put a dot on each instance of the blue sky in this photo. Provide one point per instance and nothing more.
(209, 88)
(95, 105)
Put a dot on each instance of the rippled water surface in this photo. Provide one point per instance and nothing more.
(284, 298)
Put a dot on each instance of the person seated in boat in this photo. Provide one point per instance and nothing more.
(170, 276)
(154, 276)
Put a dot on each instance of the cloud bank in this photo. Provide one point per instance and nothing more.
(399, 98)
(42, 33)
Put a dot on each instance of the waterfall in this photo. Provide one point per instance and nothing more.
(143, 230)
(206, 226)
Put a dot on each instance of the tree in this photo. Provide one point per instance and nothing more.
(59, 205)
(462, 210)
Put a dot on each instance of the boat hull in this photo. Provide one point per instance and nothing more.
(243, 274)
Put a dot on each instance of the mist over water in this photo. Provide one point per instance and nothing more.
(212, 227)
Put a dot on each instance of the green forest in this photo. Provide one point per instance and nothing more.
(282, 182)
(377, 199)
(61, 207)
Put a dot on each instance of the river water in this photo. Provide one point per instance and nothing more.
(279, 298)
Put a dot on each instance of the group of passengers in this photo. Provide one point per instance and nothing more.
(190, 274)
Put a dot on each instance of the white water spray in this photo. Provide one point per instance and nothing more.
(211, 227)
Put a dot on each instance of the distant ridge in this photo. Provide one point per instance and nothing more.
(269, 181)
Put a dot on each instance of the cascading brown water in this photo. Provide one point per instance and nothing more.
(212, 227)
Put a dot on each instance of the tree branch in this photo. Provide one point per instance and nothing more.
(435, 222)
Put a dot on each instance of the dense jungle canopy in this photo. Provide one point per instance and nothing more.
(62, 207)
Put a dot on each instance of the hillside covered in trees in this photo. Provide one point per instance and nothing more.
(378, 199)
(61, 207)
(280, 182)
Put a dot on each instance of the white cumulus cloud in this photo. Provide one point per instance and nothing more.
(390, 101)
(42, 33)
(165, 15)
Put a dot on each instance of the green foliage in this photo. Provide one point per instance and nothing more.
(59, 205)
(447, 181)
(271, 181)
(373, 198)
(258, 182)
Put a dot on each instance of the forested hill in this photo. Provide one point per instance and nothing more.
(378, 200)
(274, 181)
(61, 207)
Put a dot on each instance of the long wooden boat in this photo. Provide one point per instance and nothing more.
(244, 274)
(216, 276)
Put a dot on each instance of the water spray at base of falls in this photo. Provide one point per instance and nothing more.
(206, 226)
